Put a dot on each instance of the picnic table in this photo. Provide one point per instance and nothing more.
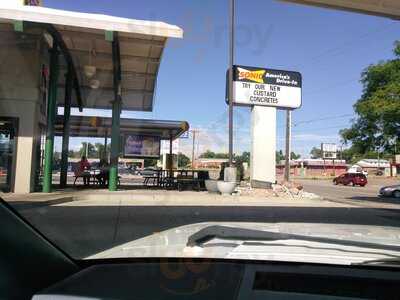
(178, 179)
(92, 176)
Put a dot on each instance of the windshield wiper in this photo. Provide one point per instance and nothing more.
(235, 233)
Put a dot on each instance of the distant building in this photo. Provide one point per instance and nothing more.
(373, 163)
(209, 163)
(313, 167)
(372, 166)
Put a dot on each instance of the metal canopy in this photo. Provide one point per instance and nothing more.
(97, 127)
(141, 42)
(383, 8)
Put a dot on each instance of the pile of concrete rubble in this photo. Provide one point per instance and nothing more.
(283, 189)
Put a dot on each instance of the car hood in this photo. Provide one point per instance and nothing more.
(173, 243)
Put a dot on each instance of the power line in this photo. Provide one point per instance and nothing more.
(323, 128)
(321, 119)
(318, 120)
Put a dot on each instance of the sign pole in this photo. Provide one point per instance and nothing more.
(288, 146)
(230, 84)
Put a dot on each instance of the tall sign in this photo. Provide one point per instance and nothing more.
(329, 150)
(165, 146)
(266, 87)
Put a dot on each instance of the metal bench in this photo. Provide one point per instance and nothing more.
(147, 180)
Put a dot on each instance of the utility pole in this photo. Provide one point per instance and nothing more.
(194, 141)
(230, 80)
(379, 162)
(288, 140)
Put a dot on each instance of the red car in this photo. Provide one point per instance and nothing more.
(351, 178)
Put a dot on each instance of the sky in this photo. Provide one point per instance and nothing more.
(329, 48)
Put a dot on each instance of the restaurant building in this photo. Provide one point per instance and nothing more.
(54, 58)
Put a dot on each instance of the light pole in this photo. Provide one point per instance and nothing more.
(230, 79)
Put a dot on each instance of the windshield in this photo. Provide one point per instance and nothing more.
(128, 127)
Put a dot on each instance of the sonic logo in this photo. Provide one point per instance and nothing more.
(256, 76)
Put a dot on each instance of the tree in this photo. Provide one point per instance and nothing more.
(239, 160)
(210, 154)
(150, 162)
(207, 154)
(90, 151)
(244, 157)
(183, 160)
(377, 125)
(316, 153)
(294, 155)
(279, 156)
(100, 149)
(57, 155)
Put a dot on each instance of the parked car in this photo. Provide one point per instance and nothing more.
(123, 171)
(390, 191)
(133, 170)
(351, 178)
(148, 172)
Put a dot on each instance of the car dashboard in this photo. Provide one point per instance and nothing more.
(209, 279)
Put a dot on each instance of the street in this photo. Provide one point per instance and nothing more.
(359, 196)
(86, 227)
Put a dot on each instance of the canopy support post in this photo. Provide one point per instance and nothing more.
(171, 159)
(51, 115)
(105, 144)
(66, 127)
(116, 115)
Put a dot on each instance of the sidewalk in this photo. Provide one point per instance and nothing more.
(156, 198)
(26, 201)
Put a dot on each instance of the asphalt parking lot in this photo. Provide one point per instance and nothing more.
(360, 196)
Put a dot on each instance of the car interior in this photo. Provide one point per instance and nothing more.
(47, 272)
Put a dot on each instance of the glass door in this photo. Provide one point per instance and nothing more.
(7, 152)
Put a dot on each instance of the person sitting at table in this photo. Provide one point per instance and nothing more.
(102, 177)
(84, 167)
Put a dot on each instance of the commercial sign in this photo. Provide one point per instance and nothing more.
(165, 147)
(329, 150)
(266, 87)
(184, 135)
(328, 147)
(142, 146)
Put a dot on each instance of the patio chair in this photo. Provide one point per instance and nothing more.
(183, 181)
(78, 175)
